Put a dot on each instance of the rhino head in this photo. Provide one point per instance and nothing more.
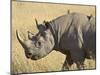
(39, 45)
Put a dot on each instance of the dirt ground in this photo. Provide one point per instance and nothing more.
(23, 15)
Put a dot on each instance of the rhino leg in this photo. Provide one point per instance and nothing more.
(78, 56)
(68, 62)
(65, 66)
(80, 65)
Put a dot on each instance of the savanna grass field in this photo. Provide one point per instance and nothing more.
(23, 20)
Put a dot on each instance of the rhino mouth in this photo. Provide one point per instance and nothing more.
(34, 57)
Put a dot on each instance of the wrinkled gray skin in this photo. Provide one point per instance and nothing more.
(73, 35)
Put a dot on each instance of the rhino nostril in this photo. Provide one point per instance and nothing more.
(29, 54)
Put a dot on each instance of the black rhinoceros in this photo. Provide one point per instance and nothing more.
(73, 34)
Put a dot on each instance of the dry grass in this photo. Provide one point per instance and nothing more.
(23, 14)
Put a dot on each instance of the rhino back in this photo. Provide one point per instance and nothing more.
(73, 32)
(69, 31)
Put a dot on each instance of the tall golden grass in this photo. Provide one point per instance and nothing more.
(23, 15)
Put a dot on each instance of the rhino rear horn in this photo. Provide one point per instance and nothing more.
(36, 23)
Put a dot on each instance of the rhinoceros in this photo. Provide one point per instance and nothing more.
(73, 34)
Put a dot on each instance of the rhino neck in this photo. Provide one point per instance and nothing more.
(59, 27)
(57, 34)
(54, 33)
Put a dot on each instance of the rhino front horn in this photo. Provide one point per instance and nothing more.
(20, 39)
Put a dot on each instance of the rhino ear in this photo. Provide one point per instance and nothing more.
(30, 35)
(46, 24)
